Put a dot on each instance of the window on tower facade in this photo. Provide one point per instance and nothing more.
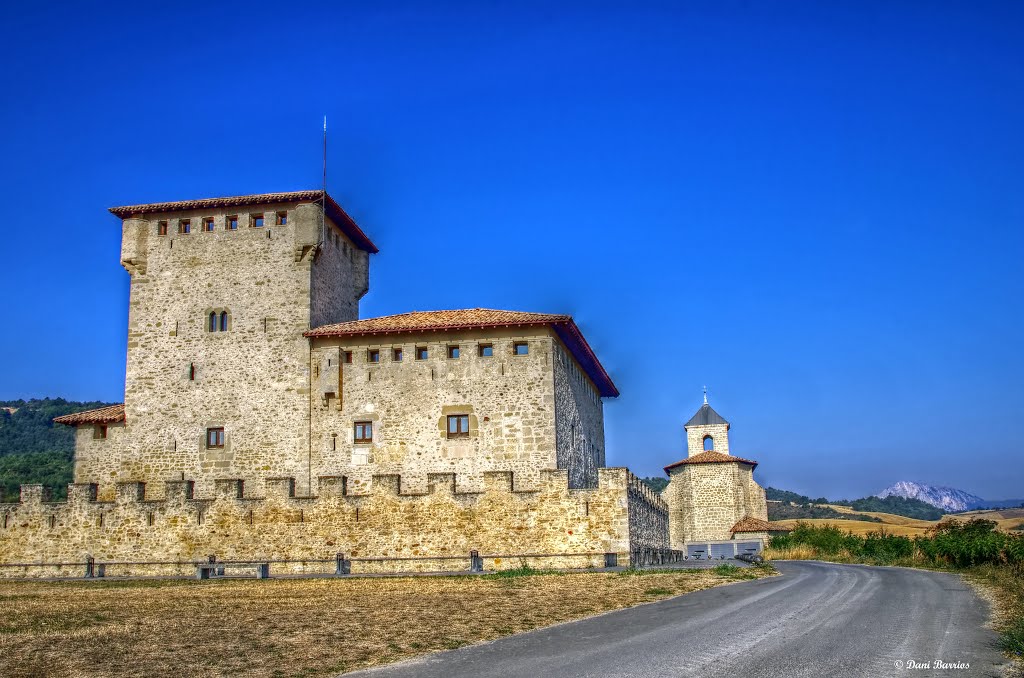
(709, 444)
(363, 432)
(458, 425)
(215, 437)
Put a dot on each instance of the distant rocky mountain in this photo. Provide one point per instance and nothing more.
(948, 499)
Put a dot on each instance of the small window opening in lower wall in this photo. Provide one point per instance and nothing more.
(200, 517)
(53, 522)
(250, 516)
(149, 519)
(6, 518)
(586, 508)
(357, 514)
(99, 520)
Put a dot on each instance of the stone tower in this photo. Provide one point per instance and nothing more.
(710, 491)
(707, 431)
(221, 292)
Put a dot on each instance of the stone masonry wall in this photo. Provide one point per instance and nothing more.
(579, 415)
(706, 500)
(385, 521)
(695, 438)
(252, 380)
(511, 401)
(648, 516)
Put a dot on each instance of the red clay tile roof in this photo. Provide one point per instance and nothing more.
(749, 524)
(334, 210)
(712, 458)
(103, 415)
(479, 318)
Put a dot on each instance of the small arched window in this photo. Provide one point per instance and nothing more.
(709, 444)
(223, 321)
(213, 321)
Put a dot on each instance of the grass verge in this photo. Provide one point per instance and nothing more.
(299, 627)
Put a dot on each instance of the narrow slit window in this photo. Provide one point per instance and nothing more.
(396, 355)
(215, 437)
(520, 348)
(458, 425)
(191, 371)
(161, 228)
(453, 352)
(486, 350)
(363, 432)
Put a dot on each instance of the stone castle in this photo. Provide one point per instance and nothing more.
(264, 420)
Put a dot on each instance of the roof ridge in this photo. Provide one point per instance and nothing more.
(712, 457)
(244, 196)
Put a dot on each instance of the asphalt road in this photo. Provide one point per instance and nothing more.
(817, 619)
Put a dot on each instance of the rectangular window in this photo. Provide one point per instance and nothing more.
(282, 218)
(215, 437)
(453, 352)
(161, 228)
(208, 224)
(185, 226)
(99, 432)
(486, 350)
(520, 348)
(396, 355)
(257, 220)
(347, 357)
(421, 353)
(233, 223)
(363, 432)
(458, 425)
(373, 356)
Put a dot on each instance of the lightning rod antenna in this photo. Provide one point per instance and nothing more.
(323, 196)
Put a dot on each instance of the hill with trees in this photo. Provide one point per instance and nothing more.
(33, 449)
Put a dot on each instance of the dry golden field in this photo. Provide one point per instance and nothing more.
(296, 627)
(909, 527)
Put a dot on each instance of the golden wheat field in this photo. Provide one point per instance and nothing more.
(1006, 519)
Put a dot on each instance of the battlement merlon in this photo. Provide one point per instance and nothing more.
(282, 489)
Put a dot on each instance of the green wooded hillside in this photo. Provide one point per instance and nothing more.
(35, 450)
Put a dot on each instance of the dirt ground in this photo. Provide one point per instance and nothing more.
(298, 627)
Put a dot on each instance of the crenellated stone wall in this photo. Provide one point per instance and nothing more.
(574, 527)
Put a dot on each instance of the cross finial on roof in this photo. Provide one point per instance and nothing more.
(705, 395)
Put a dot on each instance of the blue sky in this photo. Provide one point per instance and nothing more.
(813, 208)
